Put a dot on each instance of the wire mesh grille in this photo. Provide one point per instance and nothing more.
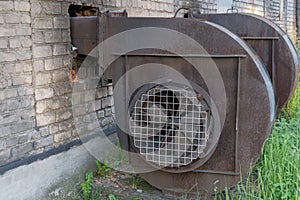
(169, 126)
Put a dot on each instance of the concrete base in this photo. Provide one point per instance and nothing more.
(33, 181)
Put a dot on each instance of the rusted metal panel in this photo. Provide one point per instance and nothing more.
(84, 33)
(244, 77)
(247, 108)
(271, 43)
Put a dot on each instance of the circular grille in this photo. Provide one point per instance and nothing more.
(169, 126)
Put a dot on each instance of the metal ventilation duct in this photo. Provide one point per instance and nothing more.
(172, 125)
(271, 44)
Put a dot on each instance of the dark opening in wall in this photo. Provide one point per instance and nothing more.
(81, 10)
(91, 39)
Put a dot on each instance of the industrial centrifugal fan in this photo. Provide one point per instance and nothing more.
(195, 98)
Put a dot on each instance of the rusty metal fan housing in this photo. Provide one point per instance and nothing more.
(172, 127)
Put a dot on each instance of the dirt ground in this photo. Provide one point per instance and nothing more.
(113, 186)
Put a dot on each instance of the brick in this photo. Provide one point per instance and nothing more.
(53, 63)
(18, 103)
(22, 79)
(43, 93)
(108, 112)
(41, 107)
(110, 90)
(5, 155)
(52, 8)
(43, 131)
(8, 68)
(60, 49)
(63, 115)
(107, 120)
(26, 42)
(38, 65)
(4, 131)
(45, 119)
(38, 37)
(53, 36)
(42, 23)
(98, 105)
(27, 114)
(7, 56)
(20, 139)
(21, 150)
(61, 22)
(21, 126)
(60, 75)
(9, 118)
(15, 42)
(54, 104)
(18, 80)
(61, 137)
(43, 79)
(43, 142)
(25, 19)
(66, 36)
(107, 102)
(66, 125)
(23, 55)
(48, 105)
(22, 6)
(68, 100)
(36, 9)
(100, 114)
(9, 93)
(23, 29)
(101, 92)
(3, 43)
(53, 128)
(42, 51)
(4, 84)
(12, 19)
(118, 4)
(24, 67)
(33, 135)
(62, 88)
(6, 5)
(25, 91)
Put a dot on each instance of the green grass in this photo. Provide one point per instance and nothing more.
(278, 168)
(277, 173)
(86, 186)
(279, 165)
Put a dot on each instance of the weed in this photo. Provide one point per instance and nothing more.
(113, 197)
(86, 186)
(292, 109)
(96, 192)
(134, 181)
(102, 169)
